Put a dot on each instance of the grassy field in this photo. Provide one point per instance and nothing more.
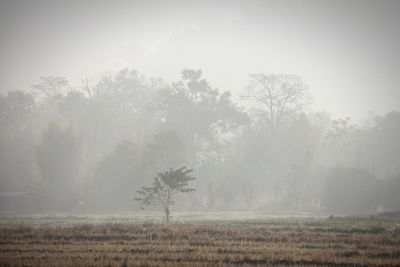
(220, 239)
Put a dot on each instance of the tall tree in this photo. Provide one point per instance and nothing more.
(59, 158)
(51, 87)
(165, 151)
(16, 109)
(127, 99)
(114, 178)
(350, 191)
(17, 141)
(199, 113)
(280, 95)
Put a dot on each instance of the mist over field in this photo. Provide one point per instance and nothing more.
(199, 133)
(271, 106)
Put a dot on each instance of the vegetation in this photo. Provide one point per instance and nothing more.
(89, 148)
(91, 164)
(280, 242)
(165, 186)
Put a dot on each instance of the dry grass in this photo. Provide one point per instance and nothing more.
(299, 242)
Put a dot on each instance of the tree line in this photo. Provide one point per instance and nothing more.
(91, 147)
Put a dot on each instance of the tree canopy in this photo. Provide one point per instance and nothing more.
(164, 188)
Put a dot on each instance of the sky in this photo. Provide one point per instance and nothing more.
(348, 52)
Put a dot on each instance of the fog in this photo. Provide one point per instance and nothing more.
(276, 106)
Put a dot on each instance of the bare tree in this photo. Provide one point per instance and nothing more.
(280, 94)
(91, 91)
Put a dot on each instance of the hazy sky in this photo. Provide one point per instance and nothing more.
(347, 51)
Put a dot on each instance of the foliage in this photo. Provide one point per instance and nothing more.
(112, 178)
(59, 160)
(16, 109)
(164, 151)
(199, 113)
(350, 191)
(17, 142)
(51, 87)
(123, 127)
(165, 186)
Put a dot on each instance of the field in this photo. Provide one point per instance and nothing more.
(198, 240)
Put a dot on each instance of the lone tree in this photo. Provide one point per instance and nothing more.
(165, 186)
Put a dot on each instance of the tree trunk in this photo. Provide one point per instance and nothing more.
(167, 214)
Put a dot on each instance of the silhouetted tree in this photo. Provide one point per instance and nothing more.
(165, 151)
(383, 147)
(16, 109)
(126, 102)
(51, 87)
(389, 196)
(199, 113)
(59, 159)
(165, 186)
(114, 177)
(280, 94)
(340, 132)
(350, 191)
(17, 141)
